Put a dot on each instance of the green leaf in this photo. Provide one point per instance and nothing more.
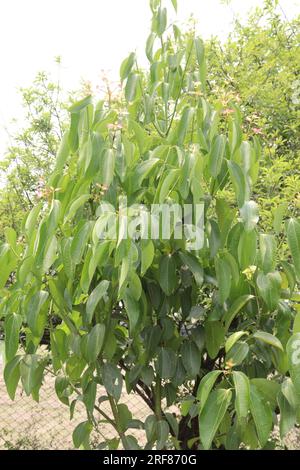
(237, 353)
(81, 434)
(242, 394)
(191, 358)
(89, 396)
(35, 319)
(130, 443)
(247, 249)
(293, 236)
(296, 324)
(195, 267)
(223, 273)
(107, 167)
(62, 153)
(12, 376)
(112, 380)
(168, 183)
(174, 3)
(80, 241)
(183, 126)
(162, 434)
(149, 46)
(92, 343)
(80, 105)
(238, 180)
(159, 22)
(200, 54)
(142, 137)
(212, 415)
(287, 415)
(167, 274)
(133, 312)
(267, 247)
(216, 155)
(262, 415)
(214, 337)
(289, 391)
(12, 326)
(94, 298)
(268, 389)
(279, 213)
(31, 221)
(142, 171)
(127, 65)
(249, 215)
(31, 372)
(73, 138)
(268, 339)
(235, 308)
(233, 339)
(206, 386)
(166, 363)
(79, 202)
(269, 286)
(293, 353)
(147, 255)
(131, 87)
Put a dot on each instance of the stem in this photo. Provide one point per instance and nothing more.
(118, 425)
(179, 94)
(157, 399)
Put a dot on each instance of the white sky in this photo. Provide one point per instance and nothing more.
(90, 36)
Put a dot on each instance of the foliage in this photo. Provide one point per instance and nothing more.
(32, 150)
(213, 330)
(258, 66)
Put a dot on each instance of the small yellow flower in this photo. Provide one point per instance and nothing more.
(249, 272)
(229, 364)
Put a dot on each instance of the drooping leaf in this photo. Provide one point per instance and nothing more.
(212, 414)
(112, 380)
(167, 274)
(249, 214)
(127, 65)
(242, 394)
(81, 435)
(92, 343)
(262, 415)
(193, 264)
(94, 298)
(12, 376)
(293, 237)
(147, 255)
(223, 273)
(206, 385)
(293, 353)
(235, 308)
(233, 339)
(12, 326)
(214, 337)
(268, 339)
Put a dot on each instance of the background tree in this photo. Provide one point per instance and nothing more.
(31, 154)
(212, 330)
(258, 67)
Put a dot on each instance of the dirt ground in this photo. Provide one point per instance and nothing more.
(25, 424)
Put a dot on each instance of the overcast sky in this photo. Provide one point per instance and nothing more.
(90, 36)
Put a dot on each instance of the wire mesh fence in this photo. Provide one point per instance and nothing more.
(25, 424)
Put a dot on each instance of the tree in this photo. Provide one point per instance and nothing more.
(30, 157)
(207, 321)
(258, 66)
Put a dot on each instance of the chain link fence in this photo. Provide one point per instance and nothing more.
(25, 424)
